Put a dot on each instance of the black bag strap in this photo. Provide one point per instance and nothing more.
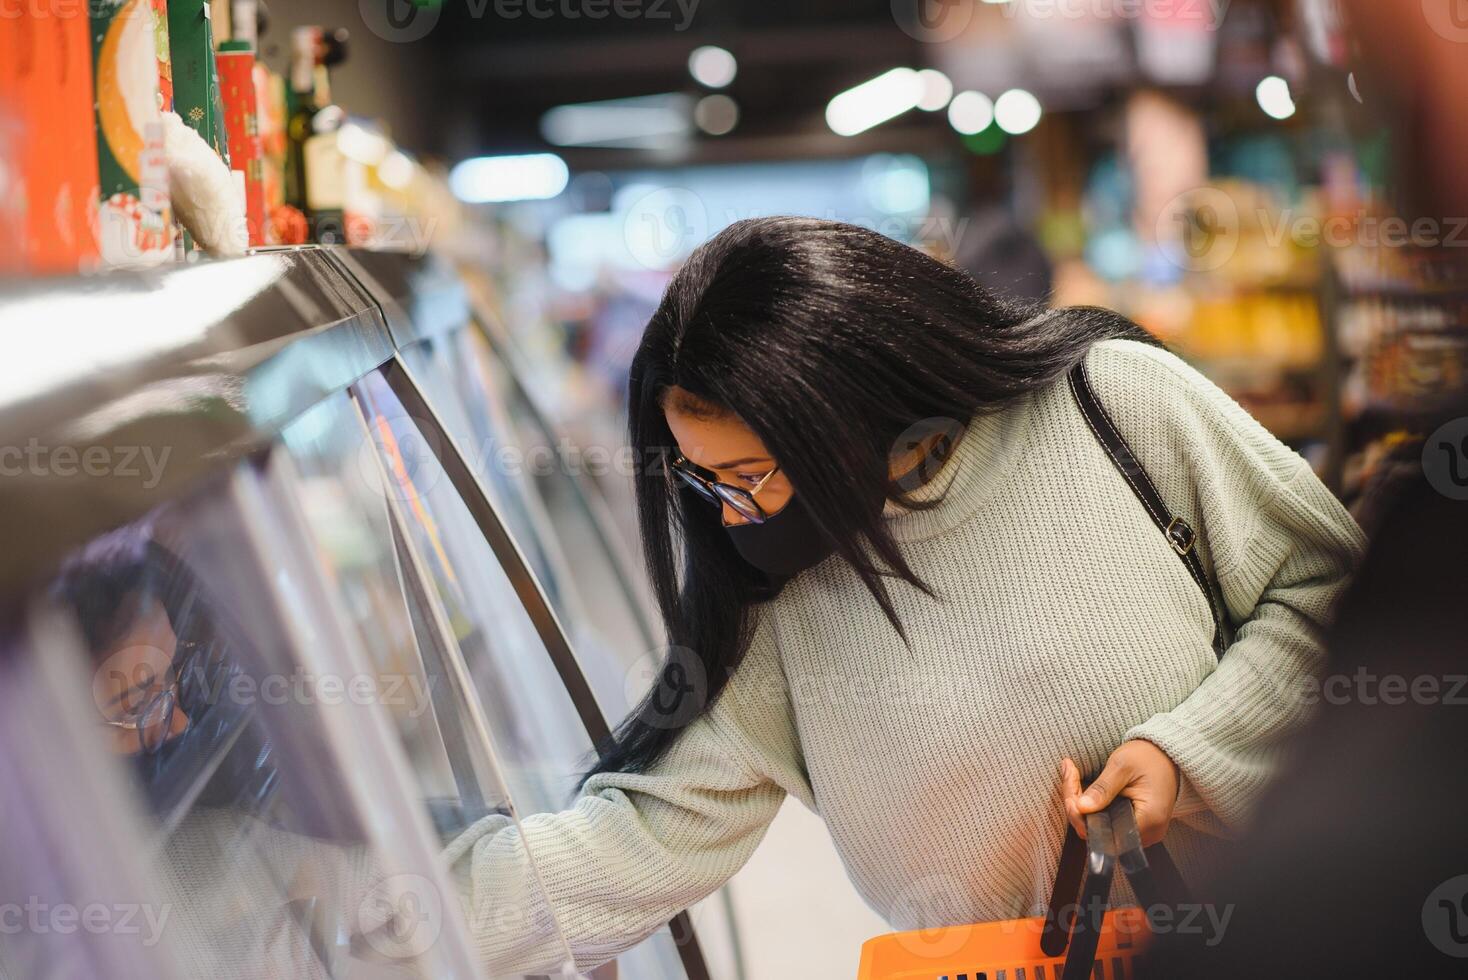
(1178, 532)
(1077, 908)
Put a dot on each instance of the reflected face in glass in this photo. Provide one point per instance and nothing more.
(135, 685)
(727, 451)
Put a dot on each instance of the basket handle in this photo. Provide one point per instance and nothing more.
(1101, 861)
(1087, 870)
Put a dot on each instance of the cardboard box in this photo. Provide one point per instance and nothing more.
(135, 221)
(236, 61)
(48, 143)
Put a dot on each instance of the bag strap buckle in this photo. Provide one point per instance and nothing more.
(1181, 536)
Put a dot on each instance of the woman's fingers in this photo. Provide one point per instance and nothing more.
(1070, 779)
(1154, 789)
(1138, 770)
(1151, 824)
(1117, 775)
(1070, 791)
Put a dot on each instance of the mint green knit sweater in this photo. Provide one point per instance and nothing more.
(1063, 626)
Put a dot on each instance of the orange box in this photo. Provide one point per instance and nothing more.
(48, 141)
(992, 950)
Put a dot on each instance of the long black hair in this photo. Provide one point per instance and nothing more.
(831, 343)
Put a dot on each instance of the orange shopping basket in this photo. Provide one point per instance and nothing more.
(1074, 940)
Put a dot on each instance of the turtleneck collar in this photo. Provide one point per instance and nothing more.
(985, 448)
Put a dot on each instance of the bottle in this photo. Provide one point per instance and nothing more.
(314, 174)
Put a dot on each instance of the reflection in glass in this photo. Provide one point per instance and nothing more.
(256, 843)
(535, 727)
(536, 732)
(538, 482)
(358, 543)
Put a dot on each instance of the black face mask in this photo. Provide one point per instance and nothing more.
(790, 542)
(784, 544)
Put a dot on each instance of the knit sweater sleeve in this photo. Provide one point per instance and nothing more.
(1281, 547)
(635, 849)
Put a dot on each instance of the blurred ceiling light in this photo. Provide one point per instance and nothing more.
(712, 66)
(365, 146)
(396, 171)
(937, 90)
(716, 114)
(875, 101)
(971, 112)
(1274, 97)
(1017, 112)
(641, 121)
(526, 177)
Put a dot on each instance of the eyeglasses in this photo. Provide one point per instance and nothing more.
(149, 711)
(739, 498)
(150, 716)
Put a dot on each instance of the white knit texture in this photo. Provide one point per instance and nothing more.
(1063, 625)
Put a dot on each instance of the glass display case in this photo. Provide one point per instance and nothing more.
(538, 481)
(253, 688)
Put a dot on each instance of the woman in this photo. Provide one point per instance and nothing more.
(903, 581)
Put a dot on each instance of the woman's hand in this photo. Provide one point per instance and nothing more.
(1139, 771)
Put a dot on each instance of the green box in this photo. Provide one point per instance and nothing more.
(195, 74)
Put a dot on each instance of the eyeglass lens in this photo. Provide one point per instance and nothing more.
(742, 503)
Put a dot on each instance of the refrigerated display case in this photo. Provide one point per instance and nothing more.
(452, 355)
(269, 642)
(542, 483)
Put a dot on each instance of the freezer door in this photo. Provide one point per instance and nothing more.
(76, 899)
(539, 735)
(616, 618)
(596, 594)
(258, 783)
(536, 729)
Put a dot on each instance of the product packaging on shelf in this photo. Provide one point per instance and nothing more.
(165, 55)
(270, 101)
(195, 76)
(135, 223)
(241, 121)
(48, 146)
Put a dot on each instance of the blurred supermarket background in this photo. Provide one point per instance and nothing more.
(1229, 173)
(1222, 171)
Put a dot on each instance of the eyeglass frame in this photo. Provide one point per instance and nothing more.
(172, 692)
(716, 492)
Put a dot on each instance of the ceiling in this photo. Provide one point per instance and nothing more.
(498, 73)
